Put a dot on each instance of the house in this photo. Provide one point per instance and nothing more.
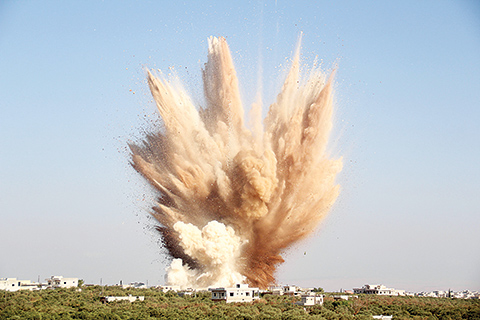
(343, 297)
(240, 293)
(136, 285)
(170, 288)
(311, 299)
(379, 289)
(61, 282)
(13, 284)
(275, 290)
(290, 290)
(186, 293)
(129, 298)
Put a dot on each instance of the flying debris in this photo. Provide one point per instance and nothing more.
(230, 200)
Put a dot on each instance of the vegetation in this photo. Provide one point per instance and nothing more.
(85, 304)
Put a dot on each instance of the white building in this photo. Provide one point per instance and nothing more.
(61, 282)
(127, 298)
(170, 288)
(275, 290)
(291, 290)
(379, 289)
(136, 285)
(288, 290)
(344, 297)
(240, 293)
(13, 284)
(311, 299)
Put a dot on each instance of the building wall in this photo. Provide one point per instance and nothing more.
(13, 284)
(311, 300)
(378, 289)
(240, 293)
(126, 298)
(9, 284)
(61, 282)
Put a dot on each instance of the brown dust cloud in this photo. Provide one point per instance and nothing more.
(233, 196)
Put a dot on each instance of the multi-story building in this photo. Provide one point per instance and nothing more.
(61, 282)
(240, 293)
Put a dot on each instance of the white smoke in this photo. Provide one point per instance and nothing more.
(216, 247)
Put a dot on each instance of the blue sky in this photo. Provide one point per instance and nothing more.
(73, 93)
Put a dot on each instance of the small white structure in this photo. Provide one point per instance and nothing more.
(379, 289)
(186, 293)
(129, 298)
(276, 290)
(310, 299)
(344, 297)
(240, 293)
(382, 317)
(170, 288)
(290, 290)
(61, 282)
(13, 284)
(136, 285)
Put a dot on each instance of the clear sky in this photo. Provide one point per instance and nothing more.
(73, 93)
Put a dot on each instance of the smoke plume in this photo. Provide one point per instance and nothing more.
(232, 199)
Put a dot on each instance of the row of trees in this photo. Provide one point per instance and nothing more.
(85, 304)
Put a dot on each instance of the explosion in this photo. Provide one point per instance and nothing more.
(232, 199)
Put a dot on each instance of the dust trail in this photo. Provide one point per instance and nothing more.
(231, 200)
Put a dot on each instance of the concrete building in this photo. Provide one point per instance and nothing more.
(288, 290)
(170, 288)
(13, 284)
(136, 285)
(129, 298)
(379, 289)
(311, 299)
(186, 292)
(240, 293)
(344, 297)
(275, 290)
(61, 282)
(291, 290)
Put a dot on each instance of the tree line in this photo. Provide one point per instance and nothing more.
(73, 303)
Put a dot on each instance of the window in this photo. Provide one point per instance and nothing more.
(65, 282)
(247, 293)
(231, 294)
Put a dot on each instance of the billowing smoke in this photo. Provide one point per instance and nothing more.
(232, 199)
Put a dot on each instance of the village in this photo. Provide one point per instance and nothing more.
(239, 293)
